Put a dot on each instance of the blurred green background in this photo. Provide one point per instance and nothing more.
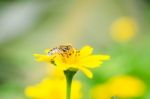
(30, 26)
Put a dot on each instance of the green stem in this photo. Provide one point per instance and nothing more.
(114, 97)
(69, 76)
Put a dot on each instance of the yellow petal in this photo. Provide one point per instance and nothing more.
(86, 50)
(41, 58)
(87, 72)
(93, 64)
(60, 64)
(91, 61)
(104, 57)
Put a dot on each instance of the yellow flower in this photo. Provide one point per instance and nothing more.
(66, 57)
(125, 87)
(53, 89)
(123, 29)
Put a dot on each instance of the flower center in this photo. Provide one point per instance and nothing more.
(67, 54)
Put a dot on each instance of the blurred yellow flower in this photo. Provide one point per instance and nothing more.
(53, 89)
(123, 29)
(125, 87)
(56, 73)
(66, 57)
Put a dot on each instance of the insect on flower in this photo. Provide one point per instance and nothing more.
(64, 50)
(66, 57)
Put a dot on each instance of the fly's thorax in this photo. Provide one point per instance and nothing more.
(65, 48)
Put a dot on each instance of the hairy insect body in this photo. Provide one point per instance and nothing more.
(53, 51)
(64, 50)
